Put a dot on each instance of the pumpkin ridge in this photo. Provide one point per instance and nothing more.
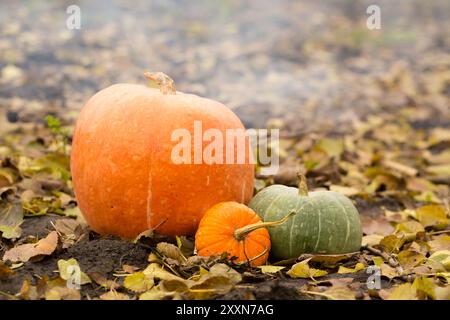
(293, 222)
(347, 224)
(270, 206)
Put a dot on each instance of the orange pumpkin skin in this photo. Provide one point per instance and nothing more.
(123, 176)
(215, 234)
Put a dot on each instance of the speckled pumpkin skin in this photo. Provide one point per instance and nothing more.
(123, 176)
(327, 222)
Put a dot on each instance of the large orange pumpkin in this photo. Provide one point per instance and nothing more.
(124, 177)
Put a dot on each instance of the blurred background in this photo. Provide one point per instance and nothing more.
(299, 65)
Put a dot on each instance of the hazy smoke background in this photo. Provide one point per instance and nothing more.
(301, 61)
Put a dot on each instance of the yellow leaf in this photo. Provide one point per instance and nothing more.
(409, 259)
(371, 240)
(138, 282)
(347, 191)
(388, 271)
(443, 257)
(303, 270)
(432, 216)
(404, 291)
(69, 269)
(358, 267)
(440, 243)
(270, 269)
(425, 286)
(114, 295)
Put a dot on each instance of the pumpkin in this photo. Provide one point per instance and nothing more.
(124, 176)
(326, 222)
(235, 229)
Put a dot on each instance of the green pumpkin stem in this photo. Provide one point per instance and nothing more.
(162, 80)
(241, 233)
(302, 185)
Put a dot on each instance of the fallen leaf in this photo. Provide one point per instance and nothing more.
(371, 240)
(388, 271)
(11, 217)
(392, 243)
(440, 243)
(303, 270)
(378, 226)
(409, 259)
(432, 216)
(425, 287)
(114, 295)
(442, 257)
(138, 282)
(347, 191)
(157, 294)
(71, 231)
(62, 293)
(170, 251)
(339, 292)
(5, 271)
(270, 269)
(154, 270)
(25, 252)
(358, 267)
(404, 291)
(69, 270)
(101, 280)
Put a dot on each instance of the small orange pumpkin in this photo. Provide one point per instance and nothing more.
(236, 229)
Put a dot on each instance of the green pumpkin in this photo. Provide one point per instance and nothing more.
(324, 222)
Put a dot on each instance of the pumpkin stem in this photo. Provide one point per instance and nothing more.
(255, 257)
(241, 233)
(164, 82)
(302, 185)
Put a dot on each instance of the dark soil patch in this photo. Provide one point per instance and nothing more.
(103, 255)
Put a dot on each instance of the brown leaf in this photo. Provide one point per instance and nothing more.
(27, 251)
(114, 295)
(170, 251)
(378, 226)
(101, 280)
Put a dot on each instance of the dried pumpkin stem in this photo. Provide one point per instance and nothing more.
(241, 233)
(164, 82)
(302, 185)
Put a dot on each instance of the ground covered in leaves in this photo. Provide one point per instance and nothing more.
(365, 114)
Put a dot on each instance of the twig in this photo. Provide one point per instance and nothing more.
(437, 232)
(387, 257)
